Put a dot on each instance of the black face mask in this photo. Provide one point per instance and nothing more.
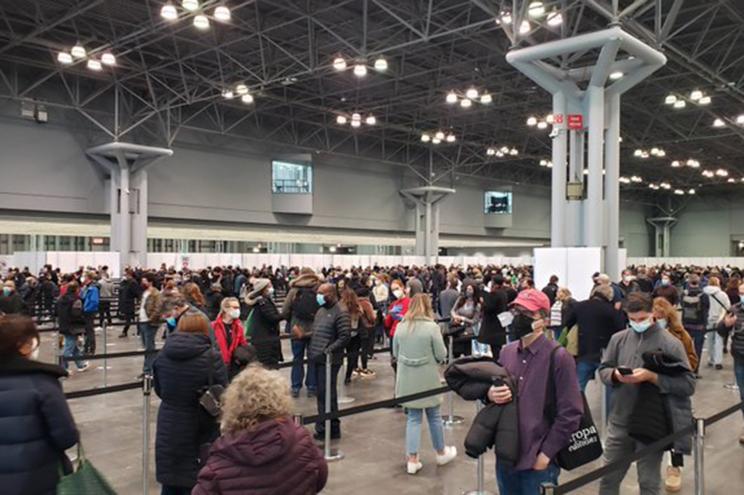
(521, 326)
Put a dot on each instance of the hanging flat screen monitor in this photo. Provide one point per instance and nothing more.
(497, 203)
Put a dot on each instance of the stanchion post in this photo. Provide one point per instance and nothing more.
(698, 455)
(329, 453)
(342, 397)
(104, 327)
(450, 419)
(480, 470)
(146, 390)
(547, 488)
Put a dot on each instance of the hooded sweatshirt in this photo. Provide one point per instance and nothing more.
(276, 458)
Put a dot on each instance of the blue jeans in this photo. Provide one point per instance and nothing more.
(413, 429)
(70, 350)
(147, 336)
(525, 482)
(739, 374)
(298, 369)
(585, 371)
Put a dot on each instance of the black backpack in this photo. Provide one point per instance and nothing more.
(305, 305)
(692, 308)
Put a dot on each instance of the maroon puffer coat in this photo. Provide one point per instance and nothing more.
(277, 458)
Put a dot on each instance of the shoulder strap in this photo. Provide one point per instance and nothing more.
(719, 302)
(550, 409)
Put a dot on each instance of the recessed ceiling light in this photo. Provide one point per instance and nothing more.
(466, 103)
(339, 64)
(451, 98)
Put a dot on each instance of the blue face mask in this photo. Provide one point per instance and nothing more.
(661, 323)
(640, 327)
(6, 291)
(320, 298)
(171, 322)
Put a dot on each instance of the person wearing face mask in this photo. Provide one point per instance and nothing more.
(667, 318)
(37, 423)
(628, 284)
(331, 335)
(718, 306)
(264, 323)
(149, 319)
(666, 289)
(623, 369)
(229, 333)
(733, 326)
(11, 303)
(466, 314)
(528, 360)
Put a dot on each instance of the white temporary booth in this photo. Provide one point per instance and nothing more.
(574, 268)
(67, 261)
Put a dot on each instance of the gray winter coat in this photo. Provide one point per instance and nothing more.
(736, 333)
(626, 349)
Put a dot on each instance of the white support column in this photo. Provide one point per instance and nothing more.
(138, 206)
(125, 223)
(427, 222)
(595, 158)
(558, 207)
(420, 238)
(612, 187)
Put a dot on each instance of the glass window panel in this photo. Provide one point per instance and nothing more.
(291, 178)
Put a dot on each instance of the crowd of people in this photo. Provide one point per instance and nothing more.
(643, 336)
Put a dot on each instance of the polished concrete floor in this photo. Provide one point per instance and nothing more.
(373, 442)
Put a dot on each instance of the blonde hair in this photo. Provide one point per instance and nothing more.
(255, 395)
(563, 293)
(419, 308)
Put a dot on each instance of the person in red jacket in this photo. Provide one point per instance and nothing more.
(398, 308)
(261, 449)
(229, 333)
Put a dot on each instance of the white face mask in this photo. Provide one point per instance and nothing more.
(398, 293)
(37, 348)
(234, 314)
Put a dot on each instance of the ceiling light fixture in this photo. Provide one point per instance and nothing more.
(719, 123)
(228, 94)
(486, 98)
(542, 125)
(691, 191)
(636, 179)
(722, 172)
(64, 58)
(696, 95)
(665, 185)
(670, 100)
(436, 140)
(341, 119)
(425, 138)
(108, 59)
(201, 22)
(536, 9)
(451, 98)
(381, 64)
(679, 192)
(549, 118)
(360, 70)
(555, 19)
(94, 64)
(466, 103)
(241, 89)
(339, 64)
(490, 152)
(531, 121)
(705, 100)
(355, 123)
(616, 75)
(680, 104)
(247, 98)
(525, 27)
(514, 151)
(739, 119)
(504, 149)
(78, 51)
(169, 12)
(693, 163)
(190, 5)
(676, 164)
(506, 17)
(731, 180)
(222, 13)
(708, 173)
(451, 138)
(370, 120)
(356, 116)
(471, 93)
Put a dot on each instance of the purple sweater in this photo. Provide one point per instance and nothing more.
(529, 367)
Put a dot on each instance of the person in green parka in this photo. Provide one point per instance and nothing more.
(419, 349)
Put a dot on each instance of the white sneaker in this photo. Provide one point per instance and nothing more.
(85, 367)
(414, 467)
(449, 454)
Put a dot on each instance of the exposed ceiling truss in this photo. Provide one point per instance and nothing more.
(170, 77)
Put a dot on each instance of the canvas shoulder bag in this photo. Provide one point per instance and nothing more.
(585, 444)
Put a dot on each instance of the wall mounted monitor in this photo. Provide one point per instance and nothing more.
(497, 202)
(291, 177)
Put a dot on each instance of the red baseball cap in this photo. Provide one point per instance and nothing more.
(532, 300)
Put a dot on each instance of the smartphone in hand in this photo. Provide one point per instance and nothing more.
(625, 371)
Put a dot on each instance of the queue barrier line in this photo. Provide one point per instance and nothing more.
(659, 445)
(110, 355)
(77, 394)
(382, 404)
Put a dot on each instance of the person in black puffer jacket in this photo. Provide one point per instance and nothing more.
(263, 323)
(180, 374)
(495, 425)
(37, 426)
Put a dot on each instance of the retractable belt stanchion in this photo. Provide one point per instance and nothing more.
(697, 452)
(329, 453)
(104, 327)
(481, 483)
(450, 419)
(146, 390)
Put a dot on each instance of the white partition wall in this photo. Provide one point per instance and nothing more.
(67, 261)
(573, 266)
(687, 261)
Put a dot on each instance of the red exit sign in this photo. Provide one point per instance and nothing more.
(575, 121)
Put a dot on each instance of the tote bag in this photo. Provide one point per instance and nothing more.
(585, 445)
(84, 480)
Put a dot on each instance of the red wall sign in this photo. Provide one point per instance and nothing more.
(576, 122)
